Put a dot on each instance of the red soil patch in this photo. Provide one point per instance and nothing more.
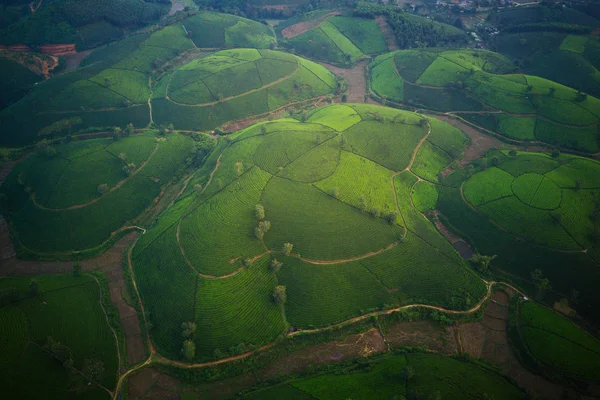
(422, 333)
(58, 49)
(356, 79)
(388, 33)
(301, 27)
(359, 345)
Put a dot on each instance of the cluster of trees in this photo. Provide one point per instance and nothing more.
(57, 21)
(188, 350)
(413, 31)
(263, 225)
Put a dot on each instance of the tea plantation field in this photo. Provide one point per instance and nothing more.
(47, 194)
(67, 309)
(572, 60)
(232, 84)
(114, 84)
(554, 341)
(418, 375)
(532, 211)
(339, 40)
(329, 190)
(479, 87)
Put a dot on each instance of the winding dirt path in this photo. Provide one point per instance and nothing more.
(388, 33)
(345, 260)
(97, 199)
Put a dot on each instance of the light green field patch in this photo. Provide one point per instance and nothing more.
(425, 196)
(526, 185)
(520, 128)
(363, 32)
(319, 226)
(131, 84)
(574, 43)
(586, 171)
(487, 185)
(319, 71)
(429, 162)
(360, 183)
(441, 72)
(194, 93)
(341, 41)
(316, 164)
(339, 117)
(385, 80)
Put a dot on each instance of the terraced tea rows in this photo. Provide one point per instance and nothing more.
(336, 232)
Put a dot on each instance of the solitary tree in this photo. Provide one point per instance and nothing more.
(335, 193)
(239, 168)
(129, 130)
(198, 189)
(287, 248)
(260, 211)
(482, 262)
(279, 294)
(376, 212)
(542, 284)
(189, 329)
(259, 233)
(103, 188)
(264, 226)
(247, 262)
(363, 203)
(276, 265)
(123, 157)
(189, 349)
(129, 168)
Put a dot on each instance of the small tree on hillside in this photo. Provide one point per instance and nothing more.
(280, 294)
(129, 168)
(129, 130)
(264, 226)
(542, 284)
(335, 193)
(103, 188)
(259, 233)
(188, 329)
(260, 211)
(276, 265)
(198, 189)
(189, 350)
(123, 157)
(239, 168)
(287, 248)
(481, 262)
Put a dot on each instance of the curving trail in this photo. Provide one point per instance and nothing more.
(97, 199)
(345, 260)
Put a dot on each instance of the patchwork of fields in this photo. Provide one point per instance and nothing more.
(232, 84)
(330, 189)
(46, 194)
(339, 40)
(479, 87)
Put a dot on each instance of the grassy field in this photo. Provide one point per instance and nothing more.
(326, 187)
(67, 309)
(524, 107)
(49, 194)
(16, 80)
(232, 84)
(339, 40)
(555, 341)
(433, 376)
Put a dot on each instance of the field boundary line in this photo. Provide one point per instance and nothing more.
(109, 325)
(74, 369)
(226, 99)
(97, 199)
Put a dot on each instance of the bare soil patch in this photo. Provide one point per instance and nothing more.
(488, 339)
(359, 345)
(74, 60)
(176, 6)
(355, 77)
(301, 27)
(388, 33)
(422, 333)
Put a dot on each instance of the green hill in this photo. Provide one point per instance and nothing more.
(552, 345)
(337, 188)
(533, 212)
(232, 84)
(48, 194)
(478, 86)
